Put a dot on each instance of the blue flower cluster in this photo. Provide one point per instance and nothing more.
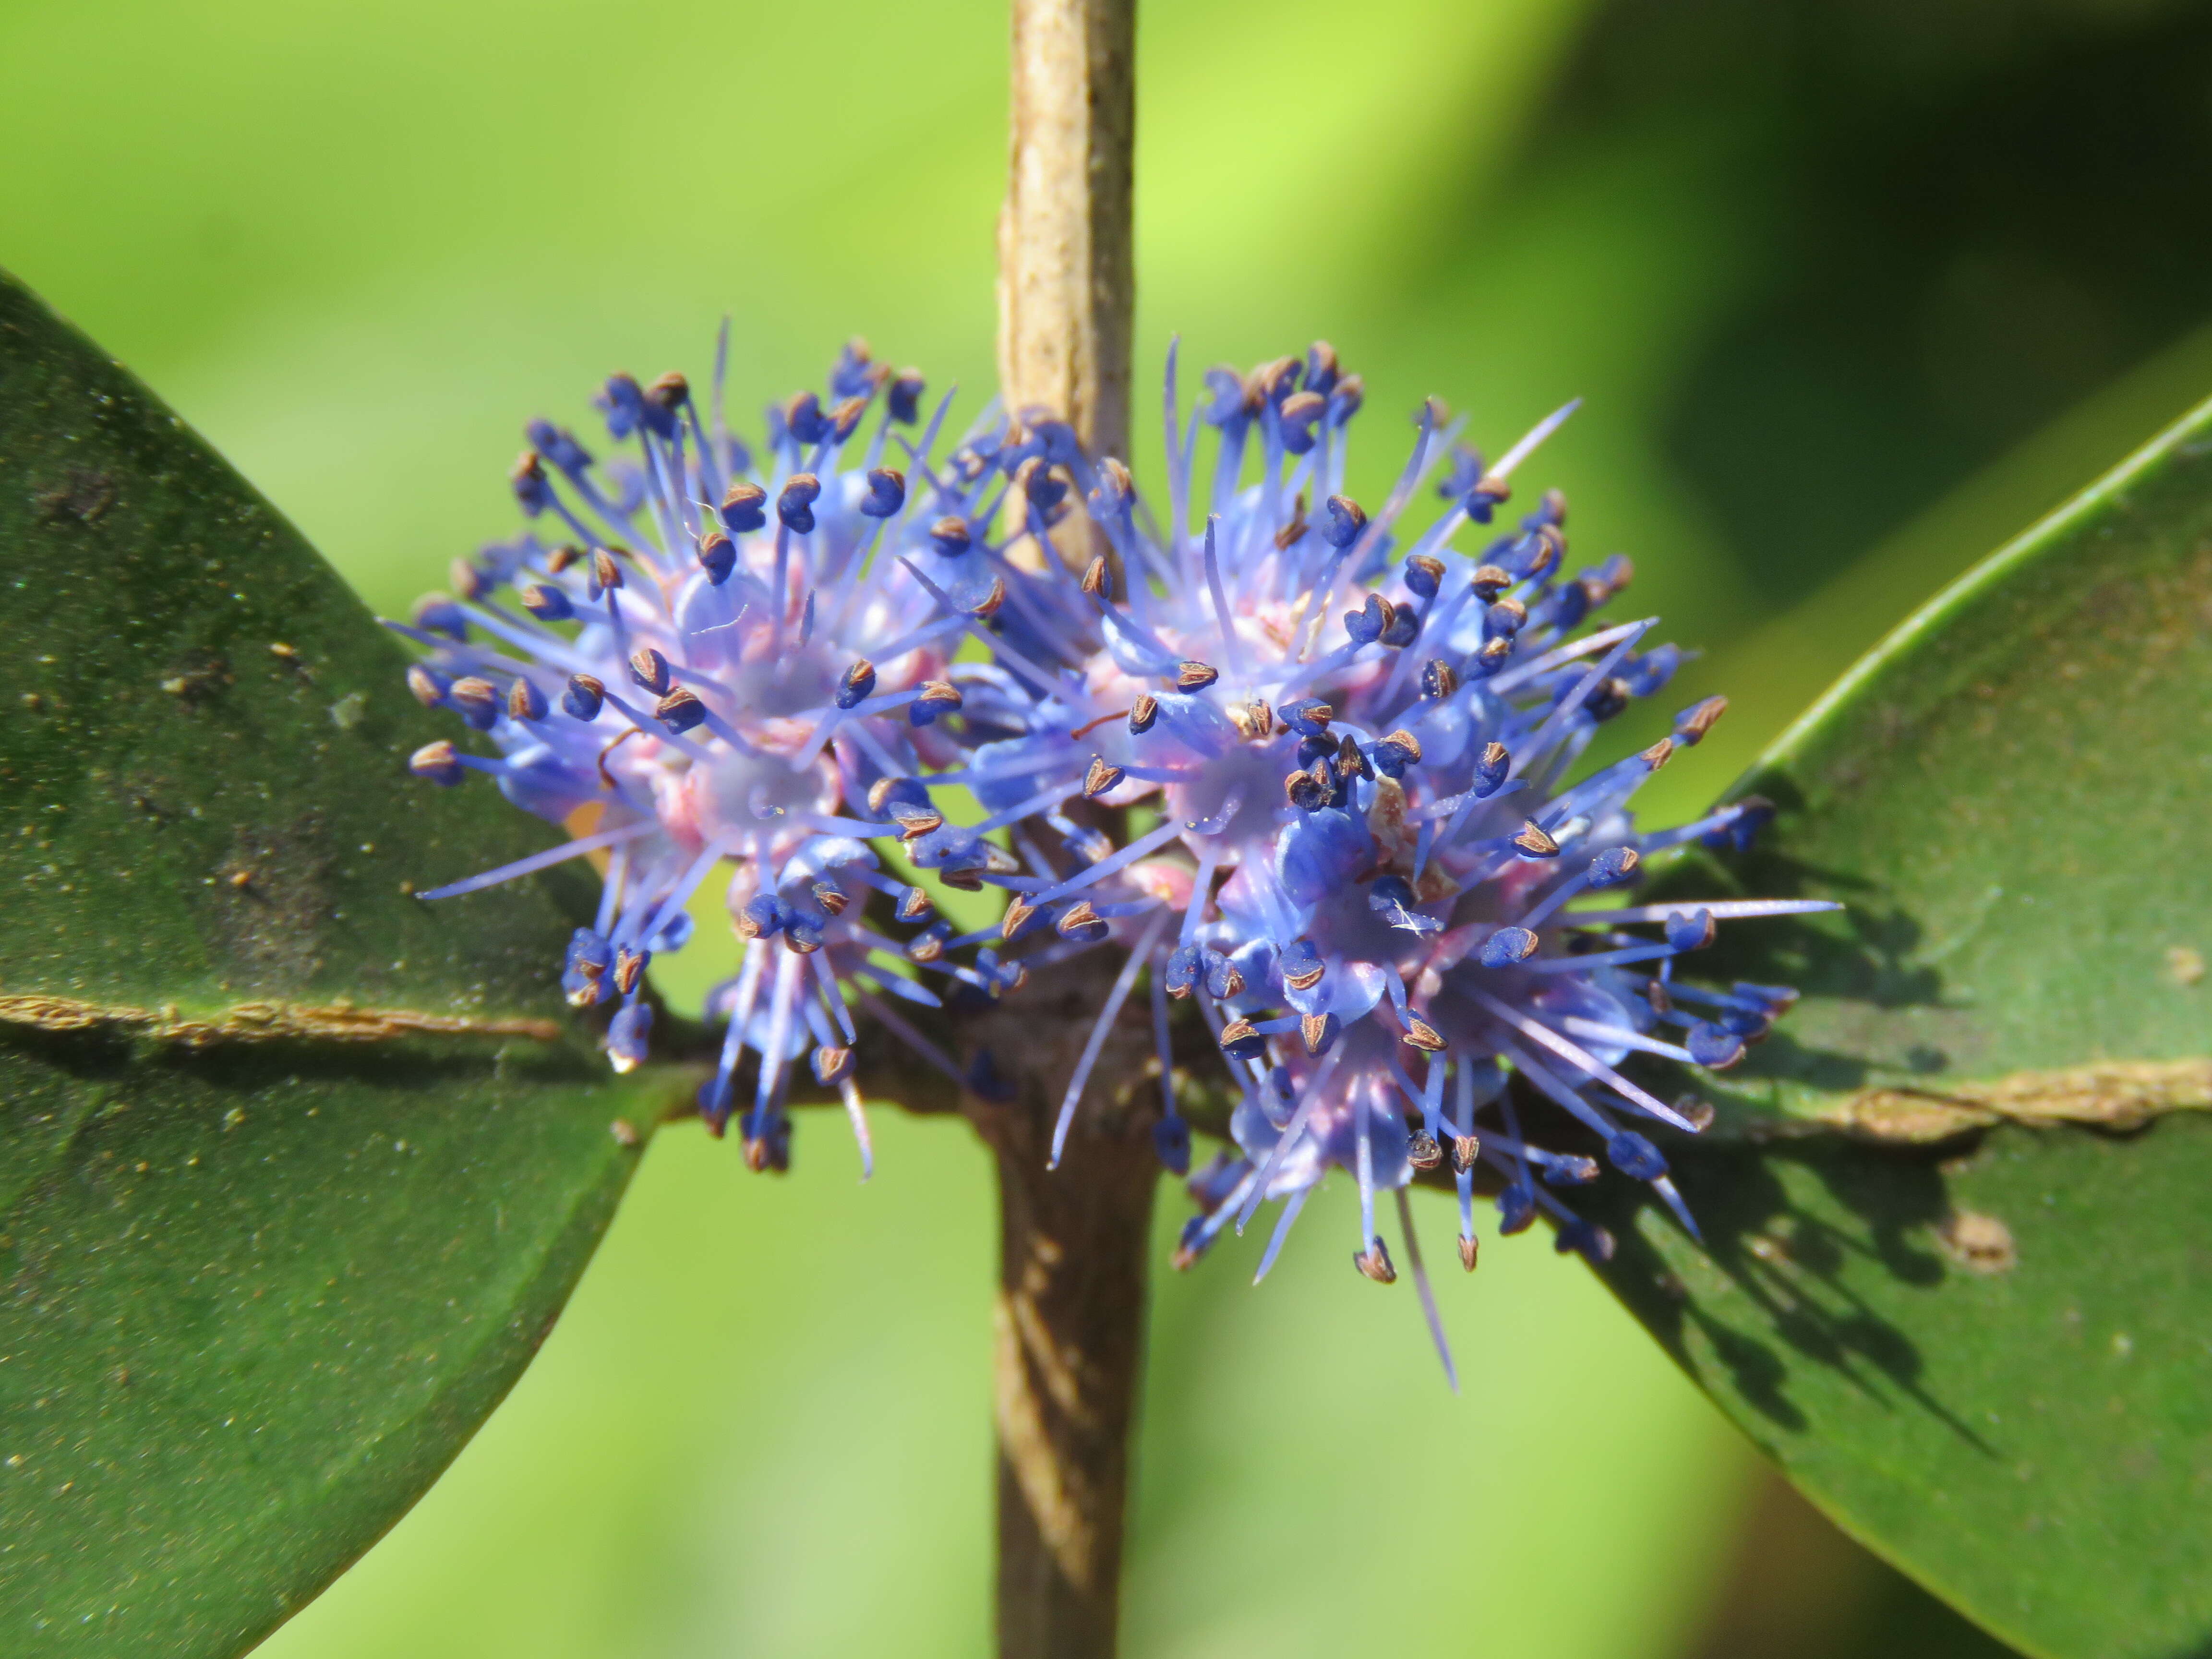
(1377, 866)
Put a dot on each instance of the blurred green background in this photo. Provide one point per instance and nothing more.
(1855, 288)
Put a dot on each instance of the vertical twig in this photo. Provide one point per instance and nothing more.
(1073, 1242)
(1067, 275)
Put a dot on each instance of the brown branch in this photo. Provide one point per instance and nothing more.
(262, 1021)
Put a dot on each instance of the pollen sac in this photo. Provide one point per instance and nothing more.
(547, 604)
(1614, 866)
(1142, 713)
(427, 687)
(717, 557)
(903, 399)
(1345, 519)
(1425, 574)
(1635, 1156)
(436, 762)
(1320, 1032)
(1300, 965)
(583, 697)
(950, 536)
(1439, 680)
(913, 905)
(1484, 499)
(794, 505)
(1180, 974)
(1371, 621)
(832, 1065)
(1535, 843)
(476, 698)
(1222, 979)
(1309, 717)
(525, 702)
(584, 976)
(1240, 1038)
(1195, 676)
(1101, 778)
(1508, 947)
(650, 669)
(859, 681)
(1300, 413)
(627, 1036)
(1098, 578)
(1375, 1262)
(1694, 722)
(745, 508)
(886, 493)
(680, 710)
(1082, 923)
(1713, 1047)
(1489, 770)
(937, 697)
(1422, 1151)
(1505, 619)
(1396, 752)
(1490, 582)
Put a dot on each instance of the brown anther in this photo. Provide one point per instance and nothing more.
(1142, 713)
(1018, 915)
(587, 992)
(1118, 477)
(831, 897)
(846, 417)
(1512, 610)
(522, 701)
(1407, 744)
(1469, 1249)
(1422, 1151)
(1017, 976)
(1492, 488)
(670, 390)
(1534, 842)
(680, 710)
(1465, 1149)
(1658, 754)
(1232, 982)
(939, 695)
(1439, 679)
(1655, 992)
(1098, 578)
(914, 907)
(420, 682)
(860, 676)
(1429, 565)
(1490, 582)
(471, 692)
(1308, 980)
(1698, 721)
(1237, 1031)
(989, 603)
(1420, 1034)
(650, 669)
(831, 1064)
(1376, 1263)
(742, 495)
(797, 945)
(922, 823)
(1494, 756)
(1100, 778)
(1314, 1029)
(756, 1154)
(1195, 676)
(629, 965)
(1351, 760)
(605, 573)
(1182, 1259)
(1309, 791)
(1078, 918)
(926, 948)
(880, 791)
(1296, 528)
(1255, 721)
(561, 558)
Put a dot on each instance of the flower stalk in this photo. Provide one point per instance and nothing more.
(1069, 1315)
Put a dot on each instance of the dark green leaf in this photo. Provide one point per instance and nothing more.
(1961, 1273)
(295, 1170)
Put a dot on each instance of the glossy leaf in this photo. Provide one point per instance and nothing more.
(295, 1170)
(1959, 1276)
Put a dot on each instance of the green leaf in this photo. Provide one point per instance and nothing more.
(1959, 1279)
(296, 1170)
